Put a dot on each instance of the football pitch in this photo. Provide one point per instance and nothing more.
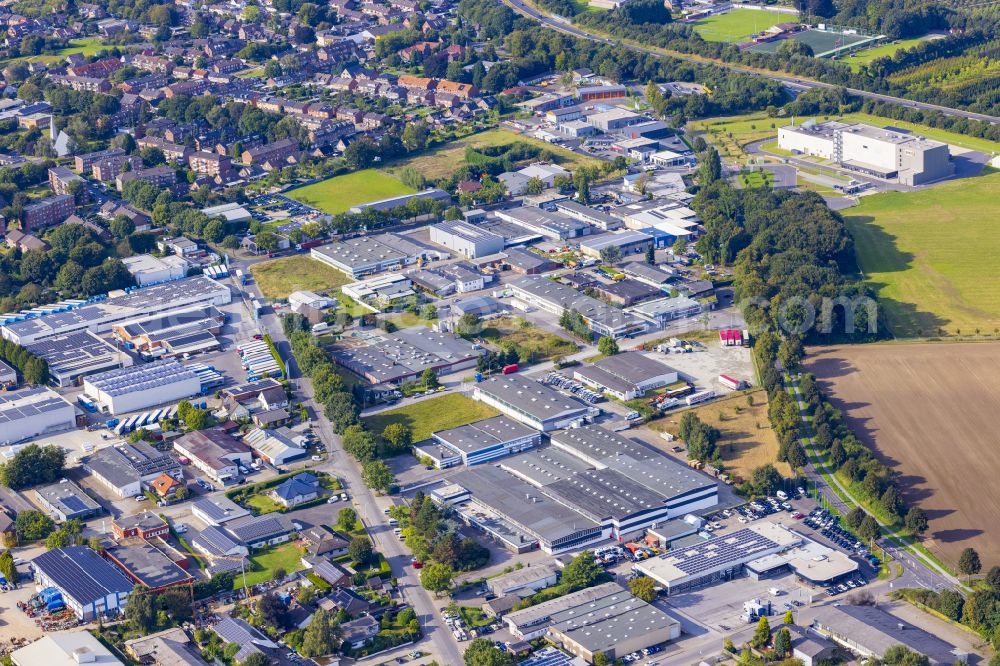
(823, 43)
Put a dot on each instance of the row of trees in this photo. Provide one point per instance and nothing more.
(33, 369)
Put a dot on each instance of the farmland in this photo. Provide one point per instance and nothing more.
(439, 413)
(928, 411)
(279, 278)
(931, 256)
(445, 159)
(338, 194)
(737, 25)
(746, 440)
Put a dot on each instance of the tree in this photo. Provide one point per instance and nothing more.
(643, 588)
(762, 635)
(7, 566)
(789, 618)
(436, 577)
(32, 465)
(711, 167)
(899, 655)
(601, 659)
(398, 437)
(607, 345)
(869, 529)
(483, 652)
(582, 183)
(534, 186)
(969, 563)
(360, 551)
(347, 519)
(140, 611)
(765, 479)
(377, 475)
(231, 650)
(319, 637)
(256, 659)
(121, 227)
(650, 255)
(429, 379)
(993, 578)
(783, 642)
(32, 525)
(272, 610)
(581, 572)
(611, 254)
(916, 520)
(360, 443)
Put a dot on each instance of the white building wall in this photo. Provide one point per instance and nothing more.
(56, 420)
(861, 148)
(144, 399)
(791, 138)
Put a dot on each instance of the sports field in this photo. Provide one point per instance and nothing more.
(858, 59)
(338, 194)
(299, 272)
(932, 256)
(821, 42)
(929, 411)
(739, 24)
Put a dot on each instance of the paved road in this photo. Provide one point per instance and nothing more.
(562, 25)
(369, 509)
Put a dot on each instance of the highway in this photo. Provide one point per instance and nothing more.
(562, 25)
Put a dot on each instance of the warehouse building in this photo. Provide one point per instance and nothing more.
(887, 153)
(590, 486)
(147, 269)
(615, 119)
(405, 354)
(385, 205)
(550, 224)
(124, 468)
(466, 239)
(191, 330)
(626, 376)
(597, 218)
(140, 387)
(626, 292)
(90, 586)
(627, 241)
(479, 442)
(604, 618)
(367, 255)
(616, 624)
(99, 317)
(532, 403)
(64, 500)
(273, 447)
(556, 298)
(530, 579)
(662, 311)
(31, 412)
(67, 648)
(869, 631)
(147, 565)
(74, 356)
(215, 452)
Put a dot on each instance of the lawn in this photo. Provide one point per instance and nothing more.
(338, 194)
(753, 179)
(286, 556)
(746, 440)
(300, 272)
(439, 413)
(737, 25)
(262, 504)
(449, 157)
(931, 256)
(87, 47)
(859, 58)
(532, 343)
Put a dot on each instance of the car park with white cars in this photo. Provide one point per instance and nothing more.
(573, 387)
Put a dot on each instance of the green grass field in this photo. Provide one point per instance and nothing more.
(281, 277)
(754, 179)
(449, 157)
(860, 58)
(440, 413)
(286, 556)
(931, 256)
(338, 194)
(737, 25)
(263, 504)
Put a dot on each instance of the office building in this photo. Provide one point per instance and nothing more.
(31, 412)
(555, 298)
(479, 442)
(140, 387)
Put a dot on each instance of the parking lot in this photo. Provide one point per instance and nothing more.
(703, 366)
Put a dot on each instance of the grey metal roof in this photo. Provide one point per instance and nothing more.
(561, 297)
(214, 541)
(82, 574)
(68, 498)
(533, 398)
(148, 563)
(483, 434)
(28, 403)
(616, 618)
(877, 631)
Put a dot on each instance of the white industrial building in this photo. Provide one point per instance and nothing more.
(140, 387)
(626, 376)
(532, 403)
(71, 316)
(466, 239)
(147, 269)
(31, 412)
(886, 153)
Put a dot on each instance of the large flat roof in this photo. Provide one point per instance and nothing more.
(28, 403)
(877, 631)
(133, 379)
(148, 564)
(406, 352)
(484, 434)
(633, 367)
(76, 353)
(533, 398)
(467, 232)
(566, 298)
(366, 250)
(60, 649)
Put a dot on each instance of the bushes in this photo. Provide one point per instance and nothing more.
(700, 437)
